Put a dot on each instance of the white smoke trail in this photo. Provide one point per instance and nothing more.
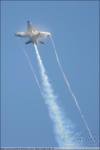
(32, 69)
(64, 136)
(71, 92)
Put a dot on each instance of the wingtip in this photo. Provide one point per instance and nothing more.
(15, 34)
(49, 34)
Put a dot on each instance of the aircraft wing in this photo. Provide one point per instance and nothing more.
(30, 28)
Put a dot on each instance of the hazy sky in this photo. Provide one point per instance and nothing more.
(75, 29)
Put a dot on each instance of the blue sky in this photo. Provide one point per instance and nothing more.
(75, 29)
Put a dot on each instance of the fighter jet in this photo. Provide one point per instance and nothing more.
(33, 34)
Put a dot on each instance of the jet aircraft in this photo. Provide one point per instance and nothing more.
(35, 36)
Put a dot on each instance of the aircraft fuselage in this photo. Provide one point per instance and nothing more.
(33, 34)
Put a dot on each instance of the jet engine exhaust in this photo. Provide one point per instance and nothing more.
(64, 135)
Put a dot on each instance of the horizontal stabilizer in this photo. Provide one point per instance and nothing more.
(41, 42)
(28, 42)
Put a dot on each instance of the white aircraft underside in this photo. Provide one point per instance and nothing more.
(33, 34)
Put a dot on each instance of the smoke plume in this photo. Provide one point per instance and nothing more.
(71, 92)
(65, 136)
